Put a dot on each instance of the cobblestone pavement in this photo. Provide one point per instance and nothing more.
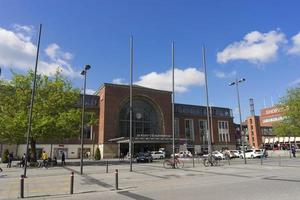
(277, 178)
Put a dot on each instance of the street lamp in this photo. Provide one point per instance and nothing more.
(83, 73)
(236, 82)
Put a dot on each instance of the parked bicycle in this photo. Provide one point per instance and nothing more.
(211, 160)
(169, 163)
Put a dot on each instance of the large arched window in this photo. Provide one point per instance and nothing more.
(145, 119)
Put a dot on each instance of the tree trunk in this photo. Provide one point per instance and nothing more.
(33, 157)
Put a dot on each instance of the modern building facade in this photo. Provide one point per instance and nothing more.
(260, 131)
(151, 125)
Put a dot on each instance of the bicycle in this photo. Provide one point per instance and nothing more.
(169, 163)
(211, 161)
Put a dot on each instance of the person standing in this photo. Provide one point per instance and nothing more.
(63, 158)
(45, 159)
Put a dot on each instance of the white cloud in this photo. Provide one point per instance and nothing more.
(295, 49)
(90, 91)
(224, 75)
(119, 81)
(295, 82)
(184, 78)
(255, 47)
(55, 53)
(17, 51)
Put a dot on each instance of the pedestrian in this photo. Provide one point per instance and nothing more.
(63, 158)
(45, 159)
(294, 151)
(10, 159)
(22, 163)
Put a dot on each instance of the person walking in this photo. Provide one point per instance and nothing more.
(45, 159)
(294, 151)
(63, 158)
(10, 159)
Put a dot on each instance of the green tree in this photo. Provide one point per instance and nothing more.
(290, 105)
(4, 158)
(55, 116)
(97, 155)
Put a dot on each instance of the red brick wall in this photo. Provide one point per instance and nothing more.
(112, 97)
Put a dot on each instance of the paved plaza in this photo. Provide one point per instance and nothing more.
(275, 179)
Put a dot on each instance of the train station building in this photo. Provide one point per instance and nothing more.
(151, 125)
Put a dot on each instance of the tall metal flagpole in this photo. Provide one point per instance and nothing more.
(130, 126)
(173, 102)
(32, 101)
(207, 101)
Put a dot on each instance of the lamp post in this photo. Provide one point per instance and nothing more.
(83, 73)
(236, 82)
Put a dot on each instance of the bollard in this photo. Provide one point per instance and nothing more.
(117, 179)
(72, 183)
(22, 186)
(279, 160)
(261, 160)
(107, 166)
(193, 161)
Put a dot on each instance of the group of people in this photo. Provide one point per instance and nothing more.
(45, 160)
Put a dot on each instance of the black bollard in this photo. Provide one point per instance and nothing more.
(261, 160)
(107, 166)
(72, 183)
(117, 179)
(22, 186)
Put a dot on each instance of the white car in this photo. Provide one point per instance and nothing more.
(235, 153)
(157, 155)
(218, 154)
(253, 153)
(183, 154)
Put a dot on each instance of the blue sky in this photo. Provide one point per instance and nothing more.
(250, 39)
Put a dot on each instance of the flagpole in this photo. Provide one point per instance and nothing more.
(173, 102)
(207, 100)
(32, 101)
(130, 126)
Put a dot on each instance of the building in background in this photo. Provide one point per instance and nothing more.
(152, 125)
(260, 130)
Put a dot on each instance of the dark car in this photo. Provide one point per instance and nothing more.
(144, 157)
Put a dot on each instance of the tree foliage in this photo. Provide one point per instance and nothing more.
(97, 155)
(55, 116)
(290, 105)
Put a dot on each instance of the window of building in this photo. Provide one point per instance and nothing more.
(223, 131)
(145, 119)
(203, 130)
(189, 129)
(176, 127)
(87, 132)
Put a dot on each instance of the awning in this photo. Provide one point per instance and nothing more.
(158, 139)
(266, 140)
(286, 139)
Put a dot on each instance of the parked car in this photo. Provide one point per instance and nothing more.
(157, 155)
(253, 153)
(183, 154)
(218, 155)
(144, 157)
(235, 153)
